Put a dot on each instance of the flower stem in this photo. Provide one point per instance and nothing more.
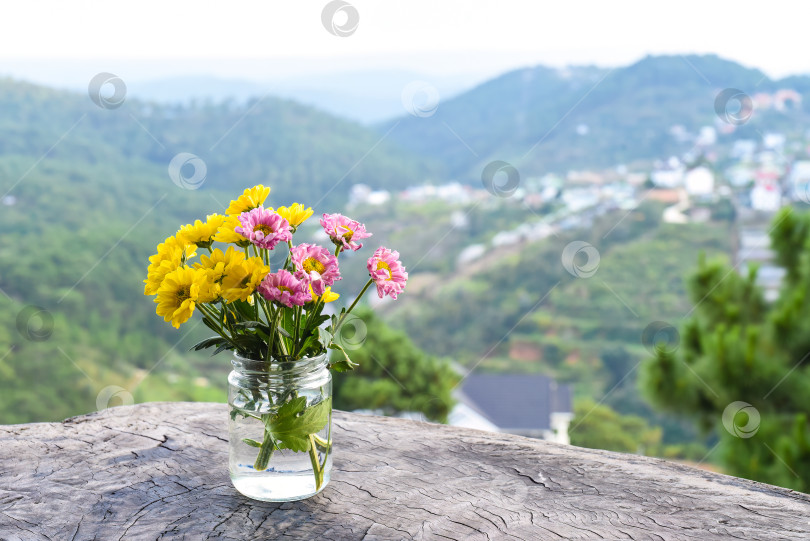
(297, 326)
(328, 446)
(273, 323)
(212, 316)
(362, 292)
(265, 453)
(288, 259)
(277, 337)
(316, 465)
(322, 442)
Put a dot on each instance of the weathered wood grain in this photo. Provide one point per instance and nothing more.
(159, 471)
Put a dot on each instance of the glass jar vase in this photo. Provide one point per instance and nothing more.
(280, 427)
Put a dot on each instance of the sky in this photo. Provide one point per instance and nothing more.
(54, 41)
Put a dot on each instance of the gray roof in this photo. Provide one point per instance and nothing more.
(516, 401)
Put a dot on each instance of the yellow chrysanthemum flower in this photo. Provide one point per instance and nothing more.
(216, 266)
(243, 278)
(218, 263)
(210, 290)
(250, 199)
(156, 275)
(295, 214)
(178, 295)
(173, 244)
(173, 248)
(171, 253)
(328, 295)
(200, 233)
(227, 234)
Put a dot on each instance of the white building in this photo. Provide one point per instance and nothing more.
(774, 141)
(699, 181)
(471, 253)
(800, 180)
(577, 199)
(363, 194)
(766, 197)
(667, 178)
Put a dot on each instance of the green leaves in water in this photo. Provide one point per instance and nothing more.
(252, 443)
(294, 426)
(291, 426)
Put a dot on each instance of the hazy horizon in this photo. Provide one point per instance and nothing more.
(73, 73)
(358, 88)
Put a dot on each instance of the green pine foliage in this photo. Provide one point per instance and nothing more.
(735, 347)
(599, 427)
(393, 375)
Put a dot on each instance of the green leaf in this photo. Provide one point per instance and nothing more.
(343, 366)
(265, 329)
(346, 362)
(311, 341)
(248, 341)
(244, 309)
(222, 348)
(249, 345)
(335, 319)
(284, 332)
(294, 422)
(247, 324)
(207, 343)
(252, 443)
(210, 324)
(315, 321)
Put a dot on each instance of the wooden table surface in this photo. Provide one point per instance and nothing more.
(159, 471)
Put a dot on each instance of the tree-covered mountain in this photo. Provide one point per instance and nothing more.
(296, 149)
(542, 119)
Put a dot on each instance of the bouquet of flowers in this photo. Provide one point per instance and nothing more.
(259, 312)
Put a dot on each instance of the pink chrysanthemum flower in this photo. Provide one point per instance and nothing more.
(387, 272)
(264, 228)
(344, 231)
(316, 265)
(284, 288)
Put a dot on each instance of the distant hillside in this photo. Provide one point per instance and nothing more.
(543, 119)
(297, 149)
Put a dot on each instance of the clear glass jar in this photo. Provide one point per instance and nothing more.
(280, 427)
